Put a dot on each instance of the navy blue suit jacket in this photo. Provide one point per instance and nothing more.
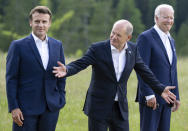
(104, 85)
(155, 56)
(29, 86)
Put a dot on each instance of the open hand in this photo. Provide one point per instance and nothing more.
(168, 96)
(60, 71)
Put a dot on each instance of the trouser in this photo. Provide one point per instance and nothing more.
(155, 120)
(44, 122)
(114, 123)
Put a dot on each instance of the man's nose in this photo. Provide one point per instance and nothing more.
(40, 24)
(114, 37)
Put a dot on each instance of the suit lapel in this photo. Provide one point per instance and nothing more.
(159, 42)
(173, 51)
(108, 57)
(35, 50)
(51, 52)
(127, 62)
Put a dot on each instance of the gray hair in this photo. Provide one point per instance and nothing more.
(158, 10)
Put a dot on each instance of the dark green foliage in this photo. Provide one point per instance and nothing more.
(127, 10)
(181, 13)
(79, 23)
(182, 39)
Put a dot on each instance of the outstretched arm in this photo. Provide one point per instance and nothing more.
(75, 66)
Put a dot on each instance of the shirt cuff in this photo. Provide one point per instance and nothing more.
(149, 97)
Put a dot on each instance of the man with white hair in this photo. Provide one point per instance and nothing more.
(157, 49)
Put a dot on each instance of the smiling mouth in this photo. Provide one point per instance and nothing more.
(41, 30)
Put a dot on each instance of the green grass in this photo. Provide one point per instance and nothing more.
(72, 117)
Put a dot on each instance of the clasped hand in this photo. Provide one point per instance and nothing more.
(168, 96)
(17, 116)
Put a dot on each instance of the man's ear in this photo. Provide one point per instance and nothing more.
(156, 18)
(30, 23)
(50, 23)
(129, 37)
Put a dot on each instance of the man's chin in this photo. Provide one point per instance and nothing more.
(168, 28)
(41, 34)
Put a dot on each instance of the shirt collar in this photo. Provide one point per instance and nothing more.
(160, 32)
(114, 48)
(39, 40)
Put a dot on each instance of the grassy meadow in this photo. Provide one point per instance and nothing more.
(72, 117)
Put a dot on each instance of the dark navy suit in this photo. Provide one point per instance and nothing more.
(29, 86)
(104, 85)
(155, 56)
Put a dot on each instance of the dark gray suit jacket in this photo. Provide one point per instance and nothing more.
(104, 85)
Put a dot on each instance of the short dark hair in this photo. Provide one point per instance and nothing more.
(40, 9)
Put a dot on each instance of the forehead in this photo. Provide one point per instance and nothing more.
(37, 15)
(118, 28)
(166, 12)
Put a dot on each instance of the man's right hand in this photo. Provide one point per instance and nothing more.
(17, 116)
(176, 106)
(168, 96)
(152, 103)
(60, 71)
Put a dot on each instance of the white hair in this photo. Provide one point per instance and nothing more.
(158, 10)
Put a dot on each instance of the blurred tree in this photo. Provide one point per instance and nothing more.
(127, 10)
(74, 32)
(45, 3)
(3, 4)
(6, 37)
(54, 4)
(17, 14)
(143, 6)
(15, 20)
(182, 40)
(101, 21)
(58, 22)
(80, 23)
(181, 13)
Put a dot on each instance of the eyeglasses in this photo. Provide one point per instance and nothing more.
(167, 17)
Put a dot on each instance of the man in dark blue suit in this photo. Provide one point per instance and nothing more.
(112, 63)
(34, 94)
(157, 49)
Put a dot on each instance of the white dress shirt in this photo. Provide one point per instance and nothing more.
(119, 60)
(42, 47)
(166, 42)
(165, 39)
